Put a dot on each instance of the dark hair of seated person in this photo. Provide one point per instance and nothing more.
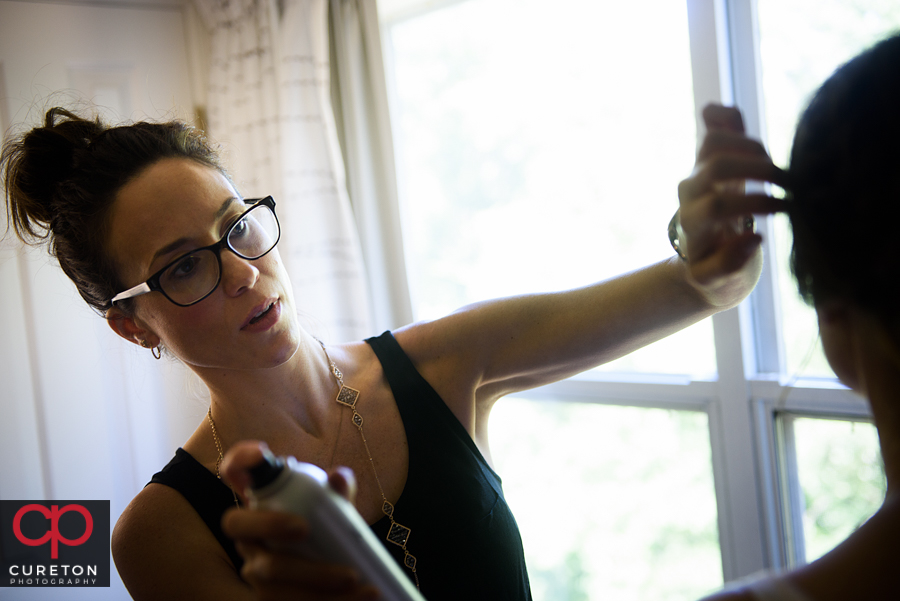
(845, 187)
(844, 207)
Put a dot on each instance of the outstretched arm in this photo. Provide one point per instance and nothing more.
(484, 351)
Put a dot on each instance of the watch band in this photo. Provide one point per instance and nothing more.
(675, 235)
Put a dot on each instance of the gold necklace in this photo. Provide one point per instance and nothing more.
(398, 534)
(221, 455)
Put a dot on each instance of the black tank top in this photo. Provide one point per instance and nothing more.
(463, 535)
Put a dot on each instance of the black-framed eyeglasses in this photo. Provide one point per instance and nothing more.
(193, 276)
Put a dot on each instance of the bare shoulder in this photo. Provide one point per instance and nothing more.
(426, 341)
(162, 548)
(446, 353)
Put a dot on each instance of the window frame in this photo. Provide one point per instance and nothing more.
(752, 387)
(771, 390)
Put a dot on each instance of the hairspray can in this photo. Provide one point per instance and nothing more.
(337, 533)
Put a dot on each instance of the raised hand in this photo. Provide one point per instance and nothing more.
(718, 232)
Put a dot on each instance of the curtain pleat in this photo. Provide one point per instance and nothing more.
(270, 108)
(360, 99)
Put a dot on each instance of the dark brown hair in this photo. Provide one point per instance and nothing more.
(845, 186)
(62, 178)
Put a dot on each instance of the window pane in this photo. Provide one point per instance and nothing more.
(612, 502)
(841, 478)
(801, 43)
(539, 148)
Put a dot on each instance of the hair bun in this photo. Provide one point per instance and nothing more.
(34, 166)
(48, 156)
(47, 162)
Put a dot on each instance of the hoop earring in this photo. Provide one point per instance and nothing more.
(156, 351)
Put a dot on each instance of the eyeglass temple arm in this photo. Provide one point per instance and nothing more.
(132, 292)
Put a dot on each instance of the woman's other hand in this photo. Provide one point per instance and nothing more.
(277, 574)
(722, 247)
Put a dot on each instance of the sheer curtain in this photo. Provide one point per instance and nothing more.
(361, 110)
(269, 107)
(83, 413)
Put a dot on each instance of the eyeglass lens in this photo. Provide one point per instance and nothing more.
(195, 275)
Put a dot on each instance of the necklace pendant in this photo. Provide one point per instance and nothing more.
(409, 560)
(347, 396)
(387, 509)
(398, 534)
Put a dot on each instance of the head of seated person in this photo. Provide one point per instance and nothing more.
(844, 204)
(844, 207)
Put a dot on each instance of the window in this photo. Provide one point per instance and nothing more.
(834, 476)
(800, 44)
(625, 510)
(538, 147)
(506, 142)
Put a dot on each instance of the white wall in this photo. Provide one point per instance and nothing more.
(83, 414)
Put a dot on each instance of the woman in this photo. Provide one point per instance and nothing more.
(844, 206)
(147, 224)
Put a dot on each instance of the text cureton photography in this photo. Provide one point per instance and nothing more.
(54, 543)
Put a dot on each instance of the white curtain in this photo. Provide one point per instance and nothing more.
(269, 106)
(363, 119)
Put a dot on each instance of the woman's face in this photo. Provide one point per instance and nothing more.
(176, 206)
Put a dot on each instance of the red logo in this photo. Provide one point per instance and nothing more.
(53, 534)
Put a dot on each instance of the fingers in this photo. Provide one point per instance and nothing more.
(265, 567)
(238, 460)
(722, 248)
(728, 259)
(283, 576)
(723, 168)
(723, 205)
(290, 593)
(239, 523)
(731, 143)
(342, 481)
(723, 118)
(270, 543)
(721, 222)
(727, 157)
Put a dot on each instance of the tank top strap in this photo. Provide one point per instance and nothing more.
(423, 411)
